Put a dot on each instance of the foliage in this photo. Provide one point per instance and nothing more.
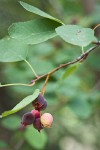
(33, 138)
(72, 93)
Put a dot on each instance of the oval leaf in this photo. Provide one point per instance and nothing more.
(12, 50)
(70, 70)
(81, 108)
(34, 31)
(34, 138)
(26, 101)
(3, 144)
(14, 122)
(37, 11)
(76, 35)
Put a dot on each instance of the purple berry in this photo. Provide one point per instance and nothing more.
(39, 103)
(27, 119)
(37, 124)
(43, 107)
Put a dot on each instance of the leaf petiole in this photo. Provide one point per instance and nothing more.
(17, 84)
(31, 68)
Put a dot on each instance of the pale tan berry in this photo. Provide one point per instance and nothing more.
(46, 120)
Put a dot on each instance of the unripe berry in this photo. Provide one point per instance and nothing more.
(37, 124)
(27, 119)
(35, 113)
(39, 103)
(46, 120)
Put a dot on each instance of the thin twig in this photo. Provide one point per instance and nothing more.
(96, 26)
(79, 59)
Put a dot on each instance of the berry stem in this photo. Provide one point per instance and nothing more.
(45, 83)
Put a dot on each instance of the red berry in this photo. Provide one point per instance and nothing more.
(35, 113)
(39, 103)
(46, 120)
(37, 124)
(27, 119)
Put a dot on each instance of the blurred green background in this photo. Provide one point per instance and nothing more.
(74, 101)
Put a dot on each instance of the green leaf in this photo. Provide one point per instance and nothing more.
(70, 70)
(0, 85)
(34, 31)
(39, 67)
(76, 35)
(11, 122)
(3, 144)
(80, 107)
(12, 50)
(27, 100)
(41, 50)
(39, 12)
(34, 138)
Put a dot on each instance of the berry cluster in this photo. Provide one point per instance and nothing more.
(35, 117)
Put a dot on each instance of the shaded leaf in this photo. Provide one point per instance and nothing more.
(43, 66)
(34, 138)
(3, 144)
(12, 50)
(80, 107)
(34, 31)
(41, 50)
(27, 100)
(11, 122)
(70, 70)
(37, 11)
(76, 35)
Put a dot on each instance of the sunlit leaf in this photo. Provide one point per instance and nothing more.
(37, 11)
(76, 35)
(34, 31)
(27, 100)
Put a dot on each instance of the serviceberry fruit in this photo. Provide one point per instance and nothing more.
(46, 120)
(43, 107)
(36, 113)
(22, 127)
(39, 103)
(27, 119)
(37, 124)
(34, 117)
